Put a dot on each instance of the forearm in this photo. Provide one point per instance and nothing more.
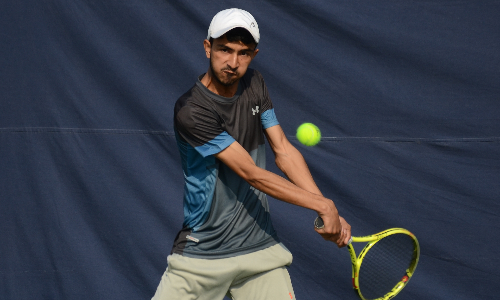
(293, 165)
(238, 159)
(290, 161)
(282, 189)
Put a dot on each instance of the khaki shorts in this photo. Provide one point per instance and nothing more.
(261, 275)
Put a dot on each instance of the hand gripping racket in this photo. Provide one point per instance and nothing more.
(386, 263)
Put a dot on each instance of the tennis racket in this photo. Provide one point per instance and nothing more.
(386, 263)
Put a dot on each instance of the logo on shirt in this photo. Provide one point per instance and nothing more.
(192, 239)
(255, 111)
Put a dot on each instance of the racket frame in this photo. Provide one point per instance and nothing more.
(372, 240)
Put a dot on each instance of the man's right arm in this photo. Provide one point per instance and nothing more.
(238, 159)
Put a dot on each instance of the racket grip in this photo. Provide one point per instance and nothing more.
(318, 223)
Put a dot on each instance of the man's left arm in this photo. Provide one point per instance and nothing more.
(291, 162)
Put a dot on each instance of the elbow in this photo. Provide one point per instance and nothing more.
(283, 162)
(286, 156)
(254, 182)
(254, 176)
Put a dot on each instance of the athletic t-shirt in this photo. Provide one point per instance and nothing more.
(223, 215)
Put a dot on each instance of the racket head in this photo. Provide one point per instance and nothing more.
(386, 263)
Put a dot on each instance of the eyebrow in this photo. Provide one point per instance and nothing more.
(221, 46)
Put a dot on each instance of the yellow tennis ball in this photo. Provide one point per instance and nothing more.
(308, 134)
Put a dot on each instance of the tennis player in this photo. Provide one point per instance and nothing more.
(228, 245)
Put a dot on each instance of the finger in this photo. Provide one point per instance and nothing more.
(341, 241)
(321, 231)
(348, 237)
(342, 235)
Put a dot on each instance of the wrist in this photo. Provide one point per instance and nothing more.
(326, 207)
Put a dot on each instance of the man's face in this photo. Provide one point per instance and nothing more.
(229, 61)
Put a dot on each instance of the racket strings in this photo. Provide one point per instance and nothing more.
(385, 264)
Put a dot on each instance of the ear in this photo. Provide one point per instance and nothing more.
(208, 47)
(255, 53)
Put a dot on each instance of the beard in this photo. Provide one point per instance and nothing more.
(222, 78)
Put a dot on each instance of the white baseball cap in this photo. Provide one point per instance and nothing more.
(228, 19)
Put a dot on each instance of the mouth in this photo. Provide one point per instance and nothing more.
(230, 73)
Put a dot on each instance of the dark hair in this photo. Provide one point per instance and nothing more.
(238, 34)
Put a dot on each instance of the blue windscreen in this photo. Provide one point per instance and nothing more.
(406, 94)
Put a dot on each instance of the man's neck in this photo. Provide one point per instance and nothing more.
(214, 86)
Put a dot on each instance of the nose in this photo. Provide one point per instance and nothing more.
(233, 61)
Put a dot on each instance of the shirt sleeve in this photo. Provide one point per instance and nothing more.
(268, 119)
(201, 129)
(268, 116)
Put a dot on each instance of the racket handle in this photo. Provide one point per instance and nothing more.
(318, 223)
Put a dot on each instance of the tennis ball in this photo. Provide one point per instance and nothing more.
(308, 134)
